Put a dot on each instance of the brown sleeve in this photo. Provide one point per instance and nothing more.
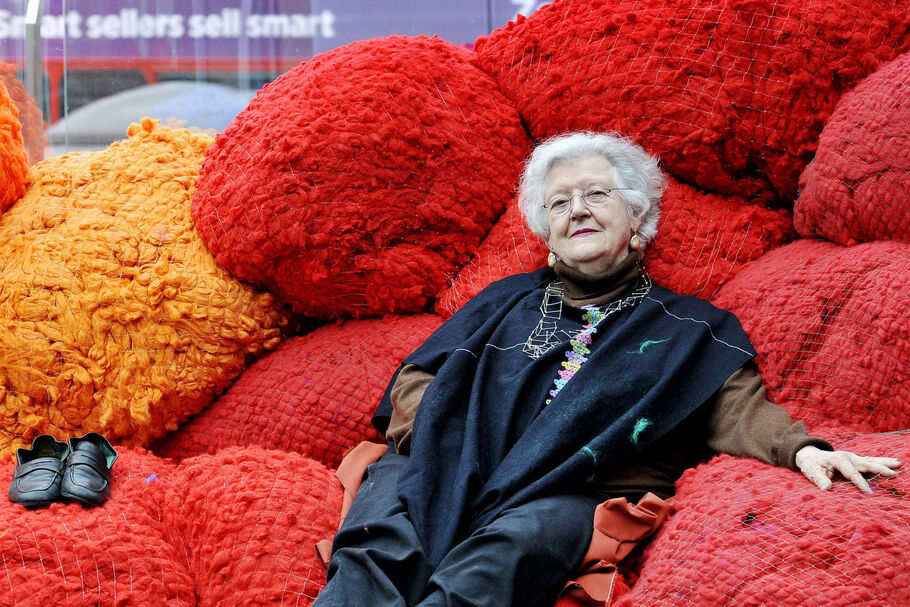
(407, 391)
(744, 422)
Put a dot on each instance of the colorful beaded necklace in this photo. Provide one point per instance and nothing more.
(593, 316)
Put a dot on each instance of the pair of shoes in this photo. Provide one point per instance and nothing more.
(79, 470)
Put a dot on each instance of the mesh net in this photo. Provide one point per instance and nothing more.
(376, 176)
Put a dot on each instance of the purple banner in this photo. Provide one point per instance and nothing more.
(245, 28)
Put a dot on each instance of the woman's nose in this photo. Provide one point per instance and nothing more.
(579, 208)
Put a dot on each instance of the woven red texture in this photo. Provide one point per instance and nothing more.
(702, 242)
(251, 518)
(124, 553)
(33, 135)
(858, 186)
(358, 182)
(731, 93)
(509, 248)
(314, 395)
(13, 159)
(830, 327)
(745, 533)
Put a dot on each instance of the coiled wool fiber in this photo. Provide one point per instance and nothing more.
(13, 158)
(124, 553)
(116, 318)
(731, 93)
(830, 327)
(251, 518)
(703, 240)
(746, 533)
(858, 186)
(357, 183)
(314, 395)
(33, 136)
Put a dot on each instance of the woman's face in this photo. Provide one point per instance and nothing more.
(590, 239)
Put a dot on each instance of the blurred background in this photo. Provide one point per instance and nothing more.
(95, 66)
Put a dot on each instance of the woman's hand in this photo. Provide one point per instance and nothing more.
(819, 466)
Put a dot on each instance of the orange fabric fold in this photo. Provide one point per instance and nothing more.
(618, 528)
(350, 473)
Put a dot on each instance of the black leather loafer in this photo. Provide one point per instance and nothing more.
(36, 481)
(87, 474)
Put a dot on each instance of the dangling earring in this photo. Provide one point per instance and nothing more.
(551, 259)
(635, 242)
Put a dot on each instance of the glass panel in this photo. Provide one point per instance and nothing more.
(104, 63)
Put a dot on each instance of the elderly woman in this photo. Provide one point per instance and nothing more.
(551, 392)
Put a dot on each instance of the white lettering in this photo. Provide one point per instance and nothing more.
(291, 26)
(10, 26)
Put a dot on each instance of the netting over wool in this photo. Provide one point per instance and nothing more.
(126, 553)
(830, 327)
(857, 189)
(116, 318)
(313, 395)
(746, 533)
(251, 518)
(357, 183)
(703, 240)
(33, 136)
(13, 158)
(731, 93)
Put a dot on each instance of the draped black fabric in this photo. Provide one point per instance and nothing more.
(484, 439)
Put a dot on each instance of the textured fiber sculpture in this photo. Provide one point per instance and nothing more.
(732, 95)
(116, 318)
(357, 183)
(858, 186)
(13, 158)
(376, 181)
(774, 539)
(33, 135)
(69, 555)
(830, 327)
(314, 395)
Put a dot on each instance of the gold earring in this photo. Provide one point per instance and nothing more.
(551, 259)
(635, 242)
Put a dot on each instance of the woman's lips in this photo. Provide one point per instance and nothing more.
(582, 232)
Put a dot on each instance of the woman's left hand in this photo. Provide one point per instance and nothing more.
(820, 466)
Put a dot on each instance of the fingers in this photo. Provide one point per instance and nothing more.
(849, 471)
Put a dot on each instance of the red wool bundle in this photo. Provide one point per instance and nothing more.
(702, 242)
(509, 248)
(125, 553)
(13, 159)
(830, 327)
(746, 533)
(731, 93)
(858, 187)
(357, 183)
(314, 395)
(251, 519)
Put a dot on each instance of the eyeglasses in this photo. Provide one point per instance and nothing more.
(594, 197)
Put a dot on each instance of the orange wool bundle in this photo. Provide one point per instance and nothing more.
(33, 135)
(13, 159)
(116, 318)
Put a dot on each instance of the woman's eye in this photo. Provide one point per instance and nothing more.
(596, 195)
(557, 204)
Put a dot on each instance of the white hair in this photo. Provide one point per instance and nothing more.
(631, 167)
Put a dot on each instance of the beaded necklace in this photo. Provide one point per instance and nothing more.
(593, 316)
